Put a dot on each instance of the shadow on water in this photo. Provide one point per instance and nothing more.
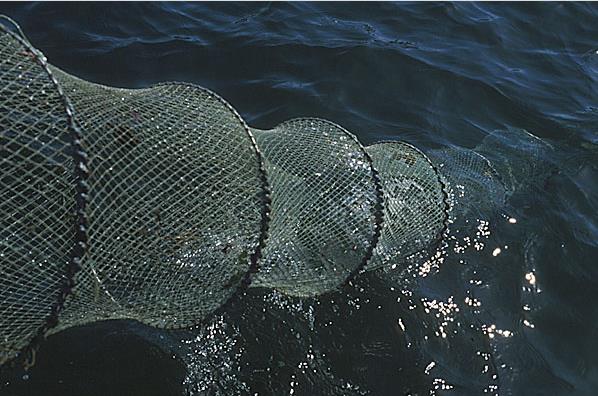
(119, 361)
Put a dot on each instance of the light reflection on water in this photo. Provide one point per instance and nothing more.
(435, 322)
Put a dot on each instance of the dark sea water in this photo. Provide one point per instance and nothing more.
(520, 322)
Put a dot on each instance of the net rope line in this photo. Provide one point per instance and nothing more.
(176, 202)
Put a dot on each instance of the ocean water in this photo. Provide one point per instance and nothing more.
(512, 309)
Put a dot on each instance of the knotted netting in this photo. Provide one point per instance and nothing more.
(480, 180)
(416, 207)
(475, 188)
(185, 204)
(526, 164)
(41, 196)
(326, 201)
(177, 203)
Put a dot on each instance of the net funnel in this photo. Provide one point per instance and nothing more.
(519, 157)
(326, 207)
(177, 203)
(41, 196)
(475, 188)
(482, 179)
(415, 203)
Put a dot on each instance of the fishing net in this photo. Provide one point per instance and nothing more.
(519, 157)
(181, 196)
(326, 205)
(476, 189)
(176, 203)
(482, 179)
(41, 172)
(415, 203)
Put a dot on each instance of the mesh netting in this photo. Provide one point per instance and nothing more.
(178, 203)
(326, 206)
(475, 188)
(415, 203)
(39, 242)
(176, 207)
(526, 163)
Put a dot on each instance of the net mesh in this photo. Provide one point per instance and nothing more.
(475, 188)
(178, 203)
(526, 165)
(326, 205)
(416, 206)
(481, 180)
(176, 206)
(38, 195)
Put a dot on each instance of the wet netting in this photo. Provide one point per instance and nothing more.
(480, 180)
(41, 196)
(416, 203)
(476, 190)
(160, 204)
(177, 203)
(526, 167)
(326, 198)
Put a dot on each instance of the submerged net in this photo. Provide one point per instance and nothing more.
(415, 203)
(181, 195)
(475, 188)
(526, 165)
(481, 180)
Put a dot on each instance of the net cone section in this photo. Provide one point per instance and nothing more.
(475, 188)
(177, 203)
(527, 163)
(482, 179)
(416, 205)
(41, 201)
(326, 206)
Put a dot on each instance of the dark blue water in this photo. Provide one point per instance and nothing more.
(522, 322)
